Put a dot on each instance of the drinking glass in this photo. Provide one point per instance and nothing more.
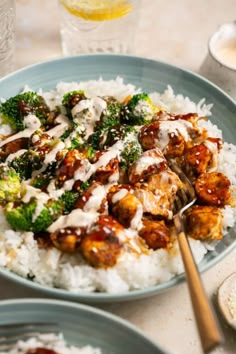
(93, 26)
(7, 36)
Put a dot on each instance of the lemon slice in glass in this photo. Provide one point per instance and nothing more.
(98, 10)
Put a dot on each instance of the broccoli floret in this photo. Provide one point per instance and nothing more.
(22, 216)
(119, 132)
(73, 97)
(70, 99)
(131, 152)
(69, 199)
(16, 108)
(111, 115)
(40, 181)
(85, 185)
(96, 140)
(25, 164)
(139, 110)
(110, 118)
(9, 184)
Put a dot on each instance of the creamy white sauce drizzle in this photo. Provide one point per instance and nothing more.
(91, 110)
(136, 222)
(59, 130)
(32, 124)
(143, 108)
(144, 162)
(77, 218)
(15, 155)
(95, 200)
(119, 195)
(175, 127)
(53, 192)
(86, 170)
(50, 157)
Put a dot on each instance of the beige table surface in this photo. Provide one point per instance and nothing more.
(171, 31)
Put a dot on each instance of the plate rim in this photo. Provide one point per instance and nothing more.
(131, 57)
(88, 309)
(99, 297)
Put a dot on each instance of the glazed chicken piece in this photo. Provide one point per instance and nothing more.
(161, 135)
(213, 189)
(68, 239)
(149, 163)
(192, 118)
(204, 223)
(108, 173)
(197, 159)
(125, 207)
(158, 193)
(13, 146)
(153, 203)
(172, 133)
(155, 233)
(166, 181)
(74, 161)
(101, 247)
(202, 158)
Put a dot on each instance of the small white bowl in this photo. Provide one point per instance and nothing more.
(226, 299)
(219, 65)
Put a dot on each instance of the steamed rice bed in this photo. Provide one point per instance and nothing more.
(51, 342)
(19, 251)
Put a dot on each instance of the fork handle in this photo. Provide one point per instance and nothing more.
(208, 328)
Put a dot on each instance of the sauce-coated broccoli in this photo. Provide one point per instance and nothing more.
(22, 217)
(16, 108)
(131, 152)
(71, 99)
(138, 110)
(25, 164)
(69, 199)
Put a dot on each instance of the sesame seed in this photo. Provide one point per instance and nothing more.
(197, 153)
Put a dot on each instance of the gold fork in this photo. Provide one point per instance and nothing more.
(208, 327)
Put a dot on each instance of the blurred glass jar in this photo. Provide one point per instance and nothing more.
(7, 36)
(93, 26)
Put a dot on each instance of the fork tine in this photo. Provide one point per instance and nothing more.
(186, 194)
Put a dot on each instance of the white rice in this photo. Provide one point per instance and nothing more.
(19, 251)
(53, 342)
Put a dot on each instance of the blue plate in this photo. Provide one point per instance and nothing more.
(151, 76)
(81, 325)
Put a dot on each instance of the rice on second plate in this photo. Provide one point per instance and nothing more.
(49, 342)
(20, 253)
